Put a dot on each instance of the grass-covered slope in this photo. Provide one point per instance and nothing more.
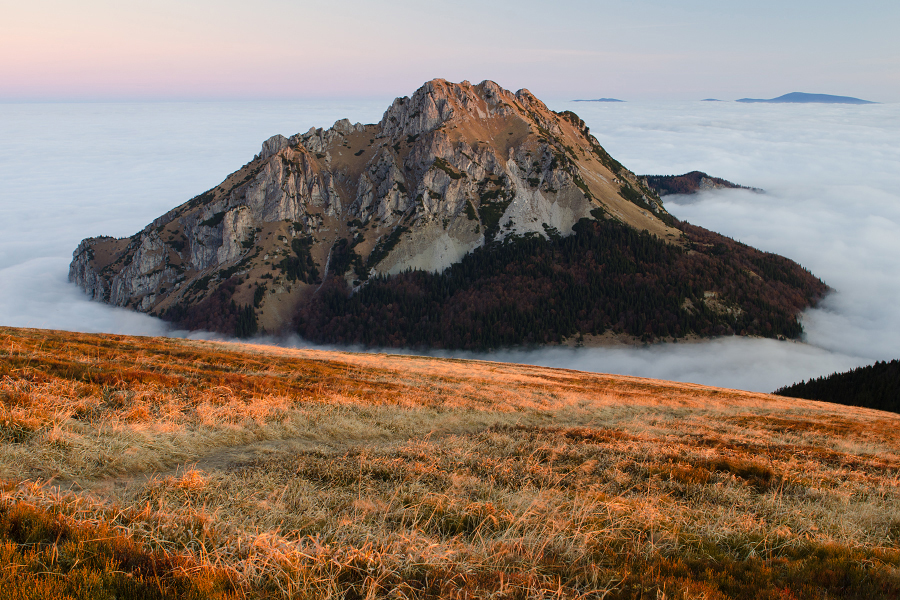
(872, 386)
(150, 468)
(604, 277)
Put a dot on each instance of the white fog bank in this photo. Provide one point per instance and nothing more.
(832, 203)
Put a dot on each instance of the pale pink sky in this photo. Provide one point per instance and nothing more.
(638, 49)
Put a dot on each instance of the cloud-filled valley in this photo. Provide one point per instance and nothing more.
(832, 203)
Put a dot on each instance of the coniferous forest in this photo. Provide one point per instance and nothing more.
(605, 277)
(874, 386)
(218, 312)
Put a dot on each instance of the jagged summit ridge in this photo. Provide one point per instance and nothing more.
(447, 170)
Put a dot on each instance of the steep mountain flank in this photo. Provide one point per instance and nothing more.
(454, 169)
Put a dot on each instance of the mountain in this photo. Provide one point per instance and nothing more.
(600, 100)
(467, 217)
(873, 386)
(802, 98)
(689, 183)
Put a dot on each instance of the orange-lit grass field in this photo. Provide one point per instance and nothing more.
(156, 468)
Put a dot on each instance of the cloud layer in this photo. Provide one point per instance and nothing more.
(832, 203)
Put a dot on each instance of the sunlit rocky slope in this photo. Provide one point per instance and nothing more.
(454, 169)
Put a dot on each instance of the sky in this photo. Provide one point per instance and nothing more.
(63, 50)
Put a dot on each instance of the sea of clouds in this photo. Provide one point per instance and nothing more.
(831, 175)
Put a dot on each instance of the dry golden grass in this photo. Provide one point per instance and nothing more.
(259, 471)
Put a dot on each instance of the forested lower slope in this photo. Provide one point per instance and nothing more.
(604, 277)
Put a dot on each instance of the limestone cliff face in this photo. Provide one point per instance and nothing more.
(449, 169)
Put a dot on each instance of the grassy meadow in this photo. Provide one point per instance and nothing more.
(161, 468)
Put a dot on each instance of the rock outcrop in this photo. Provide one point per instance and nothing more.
(445, 171)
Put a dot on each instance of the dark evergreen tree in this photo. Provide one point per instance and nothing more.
(874, 386)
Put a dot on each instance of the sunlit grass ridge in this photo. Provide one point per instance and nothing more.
(145, 467)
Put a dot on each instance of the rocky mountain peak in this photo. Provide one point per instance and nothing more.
(428, 108)
(272, 146)
(440, 102)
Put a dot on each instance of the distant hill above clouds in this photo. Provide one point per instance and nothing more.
(803, 98)
(689, 183)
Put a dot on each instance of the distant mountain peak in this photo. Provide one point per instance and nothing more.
(804, 98)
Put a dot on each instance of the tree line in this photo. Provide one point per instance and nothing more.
(873, 386)
(605, 277)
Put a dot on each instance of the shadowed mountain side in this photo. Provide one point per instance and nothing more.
(606, 277)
